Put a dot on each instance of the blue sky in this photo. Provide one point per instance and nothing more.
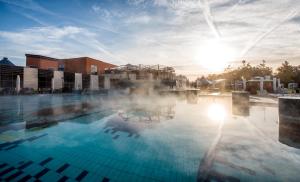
(189, 35)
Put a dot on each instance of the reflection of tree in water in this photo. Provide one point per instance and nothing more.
(138, 117)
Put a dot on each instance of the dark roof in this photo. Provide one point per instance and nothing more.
(39, 56)
(5, 61)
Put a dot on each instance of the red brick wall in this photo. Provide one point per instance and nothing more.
(100, 65)
(41, 63)
(83, 65)
(74, 65)
(32, 62)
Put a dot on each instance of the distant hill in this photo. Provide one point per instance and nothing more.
(5, 61)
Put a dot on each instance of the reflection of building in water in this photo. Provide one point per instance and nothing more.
(192, 97)
(289, 121)
(240, 103)
(52, 115)
(139, 117)
(13, 114)
(240, 110)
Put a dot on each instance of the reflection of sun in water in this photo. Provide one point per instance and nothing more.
(215, 55)
(216, 112)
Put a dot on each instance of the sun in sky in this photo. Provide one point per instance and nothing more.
(215, 55)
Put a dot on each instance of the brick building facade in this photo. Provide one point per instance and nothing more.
(84, 65)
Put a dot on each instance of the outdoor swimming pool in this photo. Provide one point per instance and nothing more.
(126, 138)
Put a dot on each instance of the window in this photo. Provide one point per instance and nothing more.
(61, 67)
(94, 69)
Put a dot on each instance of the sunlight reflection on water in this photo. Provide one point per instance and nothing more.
(216, 112)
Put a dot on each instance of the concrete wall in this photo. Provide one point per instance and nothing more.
(30, 79)
(115, 76)
(78, 81)
(58, 78)
(94, 82)
(106, 82)
(289, 121)
(124, 76)
(132, 76)
(150, 76)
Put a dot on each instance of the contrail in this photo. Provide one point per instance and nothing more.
(209, 18)
(235, 6)
(265, 34)
(29, 4)
(33, 18)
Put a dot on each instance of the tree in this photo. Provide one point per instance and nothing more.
(297, 74)
(287, 73)
(262, 69)
(246, 70)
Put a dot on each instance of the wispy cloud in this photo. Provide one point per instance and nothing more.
(260, 37)
(136, 2)
(138, 19)
(64, 42)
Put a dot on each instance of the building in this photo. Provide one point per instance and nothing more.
(84, 65)
(182, 81)
(262, 85)
(202, 82)
(145, 72)
(141, 76)
(5, 61)
(50, 75)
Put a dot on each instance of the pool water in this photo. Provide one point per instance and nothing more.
(134, 138)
